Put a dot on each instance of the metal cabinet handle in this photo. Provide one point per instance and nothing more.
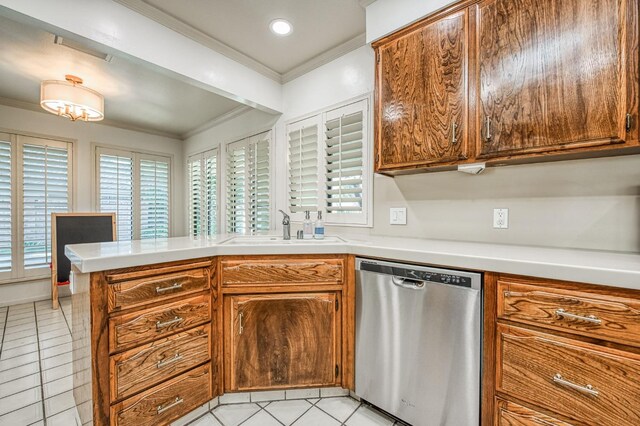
(174, 286)
(591, 318)
(160, 325)
(240, 327)
(628, 123)
(588, 389)
(408, 283)
(162, 408)
(487, 125)
(160, 364)
(454, 138)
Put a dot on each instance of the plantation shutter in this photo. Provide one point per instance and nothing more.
(116, 190)
(345, 133)
(202, 170)
(303, 165)
(6, 204)
(248, 184)
(45, 186)
(211, 190)
(154, 198)
(194, 175)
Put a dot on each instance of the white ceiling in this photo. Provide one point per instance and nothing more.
(323, 29)
(136, 95)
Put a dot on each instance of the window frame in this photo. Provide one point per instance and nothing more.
(136, 156)
(365, 219)
(17, 141)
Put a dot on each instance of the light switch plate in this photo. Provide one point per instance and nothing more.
(398, 216)
(501, 218)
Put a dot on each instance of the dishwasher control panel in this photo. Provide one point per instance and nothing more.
(421, 274)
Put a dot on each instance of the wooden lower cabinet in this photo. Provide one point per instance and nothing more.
(560, 350)
(512, 414)
(282, 340)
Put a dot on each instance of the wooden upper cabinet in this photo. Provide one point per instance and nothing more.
(552, 75)
(276, 341)
(421, 97)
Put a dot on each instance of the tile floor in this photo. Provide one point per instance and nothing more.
(36, 383)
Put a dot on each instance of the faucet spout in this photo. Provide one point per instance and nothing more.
(286, 226)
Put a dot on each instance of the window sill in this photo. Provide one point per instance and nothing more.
(6, 281)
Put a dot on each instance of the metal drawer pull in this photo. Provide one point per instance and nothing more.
(162, 408)
(165, 362)
(588, 389)
(160, 325)
(591, 318)
(240, 327)
(174, 286)
(454, 138)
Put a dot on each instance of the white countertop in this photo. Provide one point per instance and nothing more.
(588, 266)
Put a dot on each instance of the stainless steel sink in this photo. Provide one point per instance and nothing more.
(275, 240)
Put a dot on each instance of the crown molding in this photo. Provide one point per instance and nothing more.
(14, 103)
(181, 27)
(325, 57)
(365, 3)
(217, 121)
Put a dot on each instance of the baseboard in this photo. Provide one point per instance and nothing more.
(24, 292)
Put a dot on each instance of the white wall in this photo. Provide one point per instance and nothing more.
(84, 134)
(386, 16)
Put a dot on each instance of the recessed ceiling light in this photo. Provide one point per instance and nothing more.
(281, 27)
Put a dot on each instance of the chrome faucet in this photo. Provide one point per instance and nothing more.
(286, 226)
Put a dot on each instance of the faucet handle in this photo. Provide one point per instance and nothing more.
(286, 219)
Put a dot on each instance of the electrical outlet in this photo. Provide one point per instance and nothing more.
(398, 216)
(501, 218)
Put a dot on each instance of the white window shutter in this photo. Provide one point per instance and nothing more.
(249, 184)
(303, 165)
(346, 168)
(194, 175)
(45, 189)
(6, 203)
(116, 190)
(211, 190)
(154, 198)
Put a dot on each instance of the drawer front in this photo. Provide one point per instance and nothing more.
(582, 381)
(603, 317)
(282, 271)
(129, 294)
(140, 327)
(166, 402)
(512, 414)
(148, 365)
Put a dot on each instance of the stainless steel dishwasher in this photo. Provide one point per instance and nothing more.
(418, 342)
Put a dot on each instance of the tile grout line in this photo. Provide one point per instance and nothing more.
(4, 330)
(44, 414)
(352, 414)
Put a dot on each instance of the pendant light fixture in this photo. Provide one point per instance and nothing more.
(71, 99)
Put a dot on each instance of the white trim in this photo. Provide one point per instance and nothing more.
(236, 112)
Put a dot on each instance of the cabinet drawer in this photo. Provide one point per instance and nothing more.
(166, 402)
(603, 317)
(129, 294)
(281, 271)
(143, 367)
(582, 381)
(139, 327)
(511, 414)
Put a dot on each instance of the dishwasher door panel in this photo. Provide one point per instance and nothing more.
(418, 350)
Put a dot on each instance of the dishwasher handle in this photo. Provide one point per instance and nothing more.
(409, 283)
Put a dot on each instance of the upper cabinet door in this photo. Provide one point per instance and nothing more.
(421, 105)
(554, 74)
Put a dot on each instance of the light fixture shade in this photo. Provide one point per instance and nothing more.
(72, 100)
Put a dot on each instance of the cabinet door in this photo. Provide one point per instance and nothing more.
(282, 340)
(554, 75)
(421, 95)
